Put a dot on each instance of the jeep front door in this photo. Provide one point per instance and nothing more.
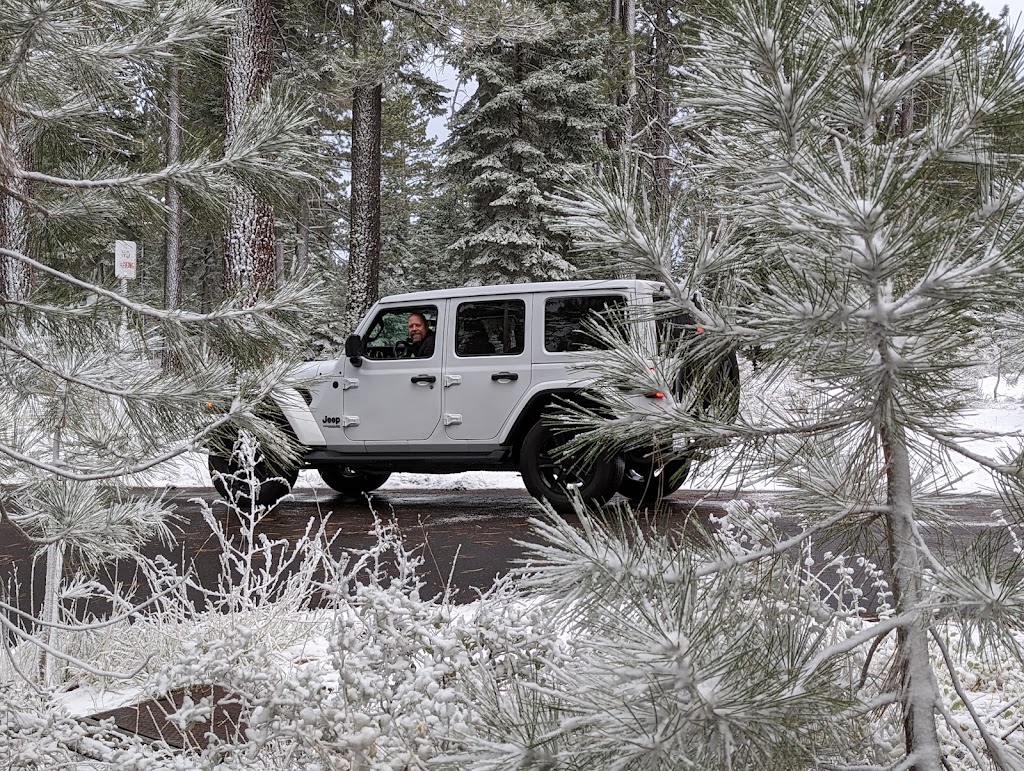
(487, 365)
(395, 395)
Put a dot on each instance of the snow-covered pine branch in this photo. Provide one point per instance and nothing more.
(870, 230)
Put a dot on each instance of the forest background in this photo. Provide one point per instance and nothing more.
(432, 134)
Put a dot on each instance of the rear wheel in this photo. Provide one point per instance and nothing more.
(352, 483)
(647, 482)
(237, 485)
(555, 479)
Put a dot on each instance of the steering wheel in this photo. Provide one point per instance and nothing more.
(401, 349)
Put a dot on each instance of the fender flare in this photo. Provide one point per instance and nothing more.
(296, 417)
(534, 411)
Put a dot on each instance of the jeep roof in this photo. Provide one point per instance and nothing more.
(536, 286)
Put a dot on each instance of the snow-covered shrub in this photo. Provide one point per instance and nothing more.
(330, 658)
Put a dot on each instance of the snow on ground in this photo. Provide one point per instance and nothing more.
(191, 471)
(999, 409)
(1004, 414)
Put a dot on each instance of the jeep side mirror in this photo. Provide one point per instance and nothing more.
(353, 349)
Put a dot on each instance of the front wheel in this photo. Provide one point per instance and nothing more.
(646, 482)
(352, 483)
(554, 479)
(237, 485)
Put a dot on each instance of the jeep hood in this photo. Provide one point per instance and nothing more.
(311, 370)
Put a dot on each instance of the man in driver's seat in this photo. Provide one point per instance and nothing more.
(421, 339)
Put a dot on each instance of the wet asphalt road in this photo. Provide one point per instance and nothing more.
(466, 536)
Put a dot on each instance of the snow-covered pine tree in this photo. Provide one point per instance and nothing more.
(892, 240)
(86, 404)
(410, 259)
(534, 120)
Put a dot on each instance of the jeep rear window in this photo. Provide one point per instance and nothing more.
(564, 319)
(493, 328)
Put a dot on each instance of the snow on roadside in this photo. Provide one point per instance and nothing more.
(190, 470)
(1003, 414)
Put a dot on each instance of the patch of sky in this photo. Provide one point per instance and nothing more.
(457, 92)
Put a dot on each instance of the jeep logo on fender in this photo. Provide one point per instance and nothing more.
(332, 421)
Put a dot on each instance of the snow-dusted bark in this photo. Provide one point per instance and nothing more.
(15, 276)
(664, 58)
(364, 204)
(249, 256)
(623, 22)
(172, 202)
(917, 688)
(301, 262)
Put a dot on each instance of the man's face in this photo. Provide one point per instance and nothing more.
(417, 328)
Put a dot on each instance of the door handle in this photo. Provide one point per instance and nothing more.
(504, 376)
(424, 379)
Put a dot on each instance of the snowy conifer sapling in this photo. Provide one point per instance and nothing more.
(86, 404)
(868, 228)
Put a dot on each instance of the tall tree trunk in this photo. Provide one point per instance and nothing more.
(660, 107)
(249, 254)
(915, 679)
(623, 19)
(15, 276)
(364, 202)
(172, 243)
(918, 690)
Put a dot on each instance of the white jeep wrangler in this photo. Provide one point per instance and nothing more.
(502, 357)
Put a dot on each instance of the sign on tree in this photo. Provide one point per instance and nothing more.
(124, 259)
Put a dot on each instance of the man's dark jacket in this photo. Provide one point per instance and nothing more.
(425, 349)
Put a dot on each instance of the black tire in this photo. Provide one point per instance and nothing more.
(646, 482)
(548, 479)
(352, 483)
(274, 484)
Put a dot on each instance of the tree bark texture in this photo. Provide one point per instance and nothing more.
(15, 276)
(622, 18)
(174, 211)
(249, 254)
(918, 689)
(364, 203)
(660, 108)
(302, 246)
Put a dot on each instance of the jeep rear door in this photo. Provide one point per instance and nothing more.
(393, 398)
(487, 368)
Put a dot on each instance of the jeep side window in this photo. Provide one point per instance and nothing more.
(388, 335)
(564, 317)
(492, 328)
